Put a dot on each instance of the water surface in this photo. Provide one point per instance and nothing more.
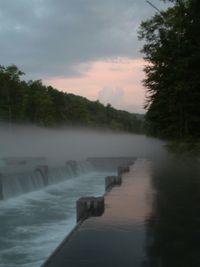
(33, 224)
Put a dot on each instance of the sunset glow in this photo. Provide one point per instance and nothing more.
(118, 82)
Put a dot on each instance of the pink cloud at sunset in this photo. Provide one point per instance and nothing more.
(118, 82)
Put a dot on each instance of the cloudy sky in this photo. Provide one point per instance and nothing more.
(85, 47)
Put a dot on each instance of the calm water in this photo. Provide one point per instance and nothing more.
(173, 226)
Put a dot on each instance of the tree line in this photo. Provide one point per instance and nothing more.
(172, 54)
(33, 102)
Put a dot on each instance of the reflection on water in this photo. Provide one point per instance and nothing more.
(131, 202)
(173, 228)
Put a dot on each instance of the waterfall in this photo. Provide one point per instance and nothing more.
(84, 167)
(15, 184)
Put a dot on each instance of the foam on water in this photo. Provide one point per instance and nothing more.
(33, 224)
(14, 184)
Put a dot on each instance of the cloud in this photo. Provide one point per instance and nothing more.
(114, 96)
(57, 38)
(113, 81)
(121, 99)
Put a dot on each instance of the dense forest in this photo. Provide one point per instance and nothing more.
(172, 54)
(33, 102)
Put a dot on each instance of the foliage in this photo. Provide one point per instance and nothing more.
(33, 102)
(172, 53)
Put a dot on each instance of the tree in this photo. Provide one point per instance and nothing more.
(33, 102)
(11, 94)
(172, 53)
(40, 107)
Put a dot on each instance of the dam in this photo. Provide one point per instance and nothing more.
(142, 215)
(116, 238)
(150, 218)
(38, 211)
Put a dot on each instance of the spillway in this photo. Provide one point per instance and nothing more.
(36, 217)
(15, 180)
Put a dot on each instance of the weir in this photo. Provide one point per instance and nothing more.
(73, 165)
(43, 170)
(1, 188)
(16, 179)
(152, 219)
(110, 163)
(111, 181)
(116, 238)
(21, 175)
(89, 207)
(49, 215)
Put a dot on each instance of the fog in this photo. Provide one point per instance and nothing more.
(42, 209)
(58, 145)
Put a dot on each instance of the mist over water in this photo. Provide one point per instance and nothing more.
(34, 222)
(74, 143)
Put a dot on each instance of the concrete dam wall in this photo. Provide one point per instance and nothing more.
(89, 207)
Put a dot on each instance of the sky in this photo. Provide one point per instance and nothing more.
(85, 47)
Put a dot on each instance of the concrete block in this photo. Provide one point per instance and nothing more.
(111, 181)
(89, 207)
(123, 169)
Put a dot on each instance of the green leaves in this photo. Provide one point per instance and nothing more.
(33, 102)
(172, 52)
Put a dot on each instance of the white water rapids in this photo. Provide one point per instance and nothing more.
(33, 224)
